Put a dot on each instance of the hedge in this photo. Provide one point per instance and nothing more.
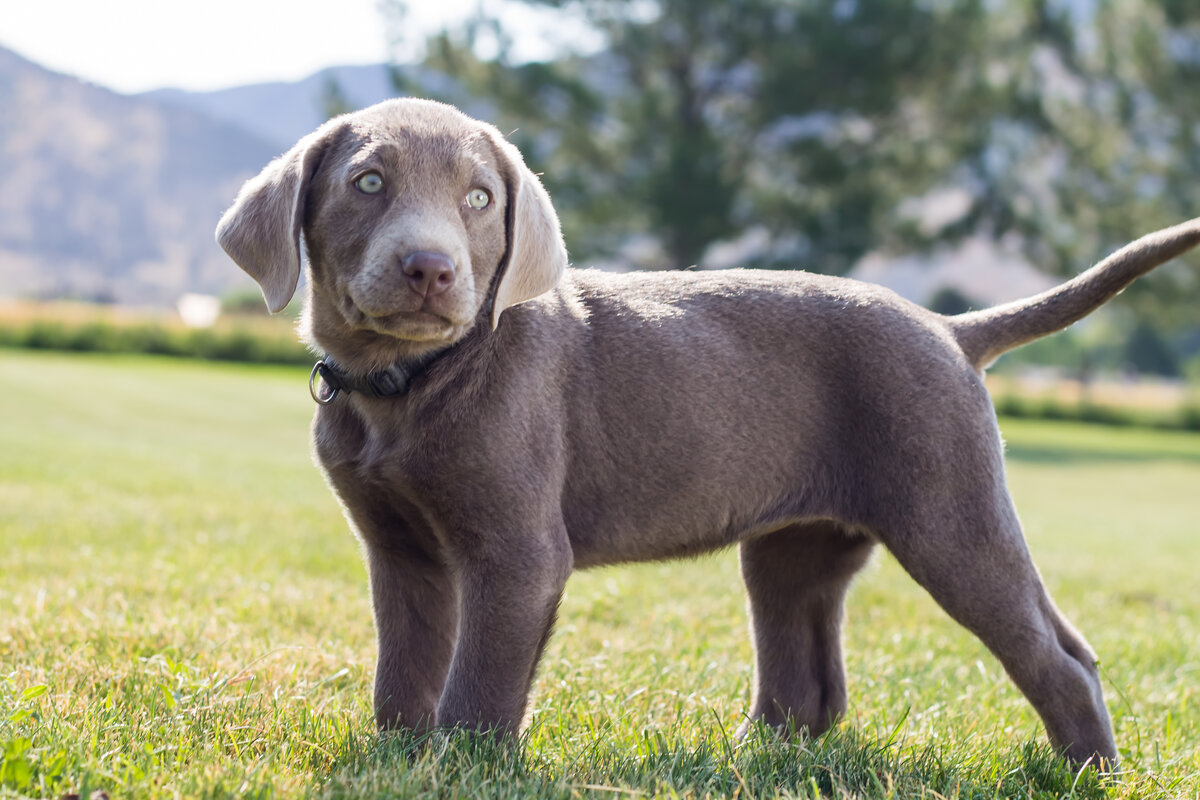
(233, 338)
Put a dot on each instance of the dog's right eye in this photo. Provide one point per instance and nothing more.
(370, 183)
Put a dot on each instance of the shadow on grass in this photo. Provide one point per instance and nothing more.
(843, 763)
(1048, 454)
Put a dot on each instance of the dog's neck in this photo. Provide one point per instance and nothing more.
(391, 382)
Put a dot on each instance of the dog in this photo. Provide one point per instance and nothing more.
(491, 420)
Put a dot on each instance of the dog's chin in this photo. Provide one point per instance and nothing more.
(414, 326)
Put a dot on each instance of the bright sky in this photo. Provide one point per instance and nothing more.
(134, 45)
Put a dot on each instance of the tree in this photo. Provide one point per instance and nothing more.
(1147, 352)
(333, 100)
(1090, 136)
(705, 117)
(839, 126)
(950, 301)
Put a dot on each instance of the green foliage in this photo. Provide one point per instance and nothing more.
(186, 615)
(249, 303)
(1147, 352)
(333, 99)
(237, 338)
(704, 117)
(1070, 128)
(1186, 417)
(1110, 343)
(950, 301)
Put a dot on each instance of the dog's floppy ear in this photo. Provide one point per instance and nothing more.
(261, 230)
(536, 255)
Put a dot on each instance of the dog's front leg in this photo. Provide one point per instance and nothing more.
(508, 601)
(416, 619)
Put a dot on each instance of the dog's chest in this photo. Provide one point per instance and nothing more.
(404, 461)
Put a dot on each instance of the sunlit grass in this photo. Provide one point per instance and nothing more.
(183, 613)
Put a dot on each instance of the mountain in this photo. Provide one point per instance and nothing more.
(281, 113)
(112, 197)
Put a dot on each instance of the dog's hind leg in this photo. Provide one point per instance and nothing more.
(796, 580)
(970, 555)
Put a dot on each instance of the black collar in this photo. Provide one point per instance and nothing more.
(391, 382)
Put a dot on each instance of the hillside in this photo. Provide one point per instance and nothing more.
(281, 113)
(112, 197)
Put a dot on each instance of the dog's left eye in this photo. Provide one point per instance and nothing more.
(478, 198)
(370, 183)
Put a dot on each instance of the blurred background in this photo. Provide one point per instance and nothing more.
(962, 153)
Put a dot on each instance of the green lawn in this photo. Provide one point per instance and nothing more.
(183, 613)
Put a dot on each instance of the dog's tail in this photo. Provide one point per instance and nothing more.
(985, 335)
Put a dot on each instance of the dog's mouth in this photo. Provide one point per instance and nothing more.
(420, 324)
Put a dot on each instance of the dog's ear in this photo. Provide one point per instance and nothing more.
(536, 256)
(261, 230)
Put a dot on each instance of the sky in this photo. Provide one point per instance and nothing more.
(136, 45)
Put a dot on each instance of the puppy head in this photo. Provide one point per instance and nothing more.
(414, 216)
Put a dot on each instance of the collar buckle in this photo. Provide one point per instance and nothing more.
(386, 383)
(330, 383)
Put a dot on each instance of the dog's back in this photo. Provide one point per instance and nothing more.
(718, 405)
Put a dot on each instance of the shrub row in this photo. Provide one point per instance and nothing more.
(234, 340)
(1185, 418)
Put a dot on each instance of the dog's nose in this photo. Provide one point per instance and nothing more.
(428, 273)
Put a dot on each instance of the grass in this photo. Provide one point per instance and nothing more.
(183, 613)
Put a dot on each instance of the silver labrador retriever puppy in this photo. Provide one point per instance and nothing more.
(492, 421)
